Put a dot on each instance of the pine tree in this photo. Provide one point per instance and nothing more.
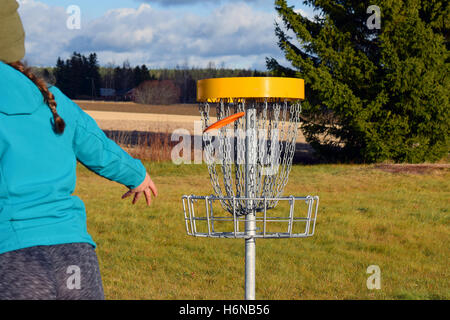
(62, 76)
(372, 94)
(141, 74)
(93, 74)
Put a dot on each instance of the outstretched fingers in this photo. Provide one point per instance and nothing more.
(153, 188)
(148, 196)
(147, 187)
(137, 195)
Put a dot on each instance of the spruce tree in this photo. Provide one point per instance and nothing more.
(373, 92)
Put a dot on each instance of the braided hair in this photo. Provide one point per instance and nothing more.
(49, 98)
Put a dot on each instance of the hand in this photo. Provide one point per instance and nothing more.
(145, 187)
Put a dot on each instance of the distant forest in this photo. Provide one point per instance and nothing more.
(82, 77)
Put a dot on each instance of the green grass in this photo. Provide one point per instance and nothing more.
(397, 221)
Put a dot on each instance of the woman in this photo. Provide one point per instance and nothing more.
(45, 249)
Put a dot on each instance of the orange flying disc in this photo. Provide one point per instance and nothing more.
(225, 121)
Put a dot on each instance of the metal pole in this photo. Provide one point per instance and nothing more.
(250, 192)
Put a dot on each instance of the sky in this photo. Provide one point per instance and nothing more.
(158, 33)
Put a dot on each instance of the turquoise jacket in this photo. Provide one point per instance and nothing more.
(38, 166)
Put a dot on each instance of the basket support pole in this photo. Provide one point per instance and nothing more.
(251, 145)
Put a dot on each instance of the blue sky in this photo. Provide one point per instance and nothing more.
(158, 33)
(93, 9)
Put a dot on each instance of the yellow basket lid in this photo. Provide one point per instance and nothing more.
(212, 90)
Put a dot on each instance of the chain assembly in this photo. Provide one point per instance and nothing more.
(274, 126)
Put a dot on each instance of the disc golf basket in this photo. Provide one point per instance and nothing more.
(249, 152)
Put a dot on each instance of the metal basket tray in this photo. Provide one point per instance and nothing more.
(294, 217)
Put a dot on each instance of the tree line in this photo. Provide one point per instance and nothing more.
(81, 77)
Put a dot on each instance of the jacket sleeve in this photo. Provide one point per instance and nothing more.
(102, 155)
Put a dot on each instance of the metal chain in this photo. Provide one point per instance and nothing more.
(210, 154)
(274, 150)
(225, 139)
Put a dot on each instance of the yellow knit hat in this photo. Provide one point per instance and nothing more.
(12, 35)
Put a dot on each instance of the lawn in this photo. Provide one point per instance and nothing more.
(367, 216)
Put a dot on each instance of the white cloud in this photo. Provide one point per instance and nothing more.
(303, 13)
(234, 33)
(46, 32)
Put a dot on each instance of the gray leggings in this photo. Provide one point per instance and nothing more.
(62, 272)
